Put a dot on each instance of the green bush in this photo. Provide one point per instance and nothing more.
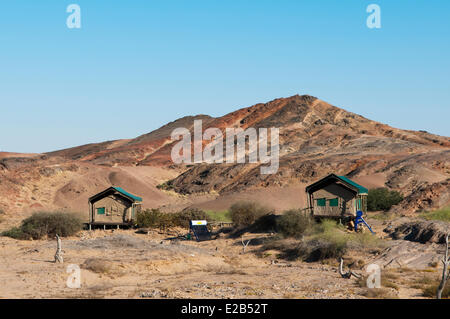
(328, 241)
(182, 219)
(310, 250)
(48, 224)
(441, 214)
(244, 214)
(154, 218)
(334, 233)
(149, 218)
(294, 223)
(323, 240)
(365, 241)
(165, 186)
(321, 249)
(328, 227)
(16, 233)
(382, 199)
(219, 216)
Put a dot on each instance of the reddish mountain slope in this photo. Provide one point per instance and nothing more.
(316, 138)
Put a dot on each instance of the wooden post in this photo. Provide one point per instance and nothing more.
(91, 213)
(445, 272)
(58, 254)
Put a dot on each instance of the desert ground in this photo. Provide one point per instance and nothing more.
(127, 264)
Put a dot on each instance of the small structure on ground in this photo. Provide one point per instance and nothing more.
(114, 206)
(200, 230)
(359, 220)
(336, 197)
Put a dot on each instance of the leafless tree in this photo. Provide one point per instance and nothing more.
(348, 274)
(244, 244)
(59, 253)
(445, 271)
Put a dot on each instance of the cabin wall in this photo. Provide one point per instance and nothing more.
(346, 201)
(111, 209)
(362, 203)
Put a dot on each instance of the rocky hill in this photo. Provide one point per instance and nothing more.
(316, 138)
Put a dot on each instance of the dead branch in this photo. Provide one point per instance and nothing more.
(445, 271)
(348, 274)
(59, 253)
(244, 245)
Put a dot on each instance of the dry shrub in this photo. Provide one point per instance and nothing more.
(404, 270)
(307, 250)
(49, 224)
(154, 218)
(326, 241)
(362, 282)
(365, 241)
(320, 241)
(379, 293)
(149, 218)
(387, 281)
(182, 219)
(16, 233)
(98, 266)
(321, 249)
(244, 214)
(225, 270)
(424, 280)
(430, 290)
(294, 223)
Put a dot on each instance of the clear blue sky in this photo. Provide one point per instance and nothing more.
(140, 64)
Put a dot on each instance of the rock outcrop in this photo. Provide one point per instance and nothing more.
(420, 231)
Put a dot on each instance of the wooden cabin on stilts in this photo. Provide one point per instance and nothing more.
(113, 207)
(336, 197)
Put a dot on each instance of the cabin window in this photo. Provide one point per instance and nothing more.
(101, 211)
(321, 202)
(334, 202)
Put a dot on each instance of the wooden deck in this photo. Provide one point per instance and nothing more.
(105, 224)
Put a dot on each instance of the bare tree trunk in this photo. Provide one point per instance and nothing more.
(445, 272)
(59, 253)
(348, 274)
(244, 245)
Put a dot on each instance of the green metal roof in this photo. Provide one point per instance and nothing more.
(124, 192)
(361, 189)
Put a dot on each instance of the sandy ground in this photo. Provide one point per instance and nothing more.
(149, 266)
(124, 264)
